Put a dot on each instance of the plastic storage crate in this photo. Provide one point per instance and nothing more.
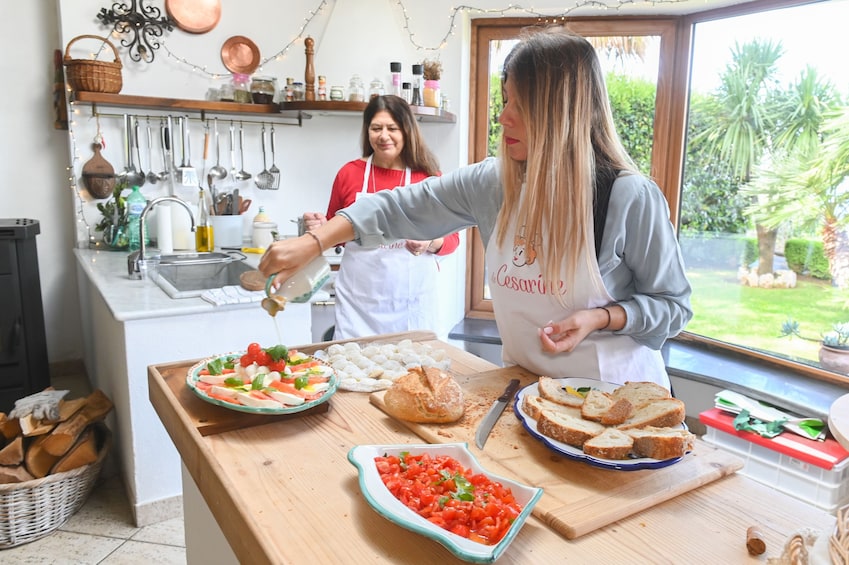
(815, 472)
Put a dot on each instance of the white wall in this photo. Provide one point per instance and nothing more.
(352, 36)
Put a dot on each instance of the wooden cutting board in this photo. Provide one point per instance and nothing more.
(578, 498)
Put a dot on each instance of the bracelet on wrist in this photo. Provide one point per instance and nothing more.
(318, 241)
(607, 325)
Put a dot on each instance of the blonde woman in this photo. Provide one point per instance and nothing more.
(583, 263)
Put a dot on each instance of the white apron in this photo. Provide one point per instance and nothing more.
(522, 307)
(384, 290)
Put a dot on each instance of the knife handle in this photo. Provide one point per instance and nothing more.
(509, 391)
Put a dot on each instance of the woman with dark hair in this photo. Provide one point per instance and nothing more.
(582, 260)
(391, 288)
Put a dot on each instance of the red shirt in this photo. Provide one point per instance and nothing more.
(349, 182)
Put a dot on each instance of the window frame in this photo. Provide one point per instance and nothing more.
(669, 130)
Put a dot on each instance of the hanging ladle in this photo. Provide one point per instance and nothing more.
(217, 172)
(152, 176)
(243, 174)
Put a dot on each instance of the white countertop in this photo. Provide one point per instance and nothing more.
(131, 299)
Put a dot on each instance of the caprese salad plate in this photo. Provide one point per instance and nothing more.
(579, 385)
(473, 513)
(273, 380)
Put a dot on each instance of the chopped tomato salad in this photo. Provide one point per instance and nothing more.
(272, 377)
(457, 499)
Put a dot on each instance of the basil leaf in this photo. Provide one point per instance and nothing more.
(301, 382)
(215, 367)
(278, 352)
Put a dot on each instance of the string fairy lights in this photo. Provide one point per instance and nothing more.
(551, 16)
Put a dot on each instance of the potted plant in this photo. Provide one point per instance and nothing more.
(113, 223)
(834, 344)
(432, 73)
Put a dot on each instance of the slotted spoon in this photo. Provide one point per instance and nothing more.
(264, 179)
(243, 174)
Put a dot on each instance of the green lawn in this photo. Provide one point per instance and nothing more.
(726, 310)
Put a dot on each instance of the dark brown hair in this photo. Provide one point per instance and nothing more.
(415, 153)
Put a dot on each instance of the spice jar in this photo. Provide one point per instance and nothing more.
(407, 92)
(418, 72)
(299, 92)
(432, 95)
(337, 93)
(356, 92)
(241, 88)
(322, 87)
(263, 90)
(376, 88)
(290, 89)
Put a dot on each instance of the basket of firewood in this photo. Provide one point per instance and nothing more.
(49, 465)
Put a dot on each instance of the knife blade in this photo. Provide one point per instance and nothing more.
(495, 411)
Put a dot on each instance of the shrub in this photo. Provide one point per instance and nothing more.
(806, 256)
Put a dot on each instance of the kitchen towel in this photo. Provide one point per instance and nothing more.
(730, 401)
(233, 294)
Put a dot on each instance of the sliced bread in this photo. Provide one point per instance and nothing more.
(662, 413)
(595, 405)
(661, 443)
(640, 392)
(618, 412)
(568, 429)
(610, 444)
(533, 405)
(550, 389)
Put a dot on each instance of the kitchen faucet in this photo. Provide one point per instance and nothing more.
(136, 256)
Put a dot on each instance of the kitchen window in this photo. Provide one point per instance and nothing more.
(737, 202)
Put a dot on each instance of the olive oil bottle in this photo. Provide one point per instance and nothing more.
(204, 237)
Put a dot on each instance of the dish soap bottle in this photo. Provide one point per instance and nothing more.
(204, 238)
(135, 206)
(263, 230)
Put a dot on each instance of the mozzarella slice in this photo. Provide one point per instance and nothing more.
(285, 398)
(212, 379)
(249, 400)
(224, 391)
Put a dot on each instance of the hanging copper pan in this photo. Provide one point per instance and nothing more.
(240, 55)
(194, 16)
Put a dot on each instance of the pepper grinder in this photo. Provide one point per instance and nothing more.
(309, 72)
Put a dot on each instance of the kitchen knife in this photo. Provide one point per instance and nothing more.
(495, 411)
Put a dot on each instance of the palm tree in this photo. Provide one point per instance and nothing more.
(744, 117)
(798, 183)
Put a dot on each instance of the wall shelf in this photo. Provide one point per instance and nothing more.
(288, 110)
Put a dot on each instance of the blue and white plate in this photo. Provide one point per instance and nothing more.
(574, 452)
(385, 503)
(192, 379)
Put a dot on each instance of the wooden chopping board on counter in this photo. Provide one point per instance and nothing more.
(578, 498)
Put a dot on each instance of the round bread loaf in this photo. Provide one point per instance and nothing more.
(425, 395)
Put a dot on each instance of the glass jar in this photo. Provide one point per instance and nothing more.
(407, 92)
(376, 88)
(337, 93)
(263, 89)
(299, 92)
(241, 88)
(356, 92)
(432, 96)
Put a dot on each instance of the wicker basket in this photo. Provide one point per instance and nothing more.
(89, 75)
(33, 509)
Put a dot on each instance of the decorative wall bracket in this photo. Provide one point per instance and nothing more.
(140, 25)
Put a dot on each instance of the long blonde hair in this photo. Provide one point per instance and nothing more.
(561, 96)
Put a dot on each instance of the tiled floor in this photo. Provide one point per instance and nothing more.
(102, 532)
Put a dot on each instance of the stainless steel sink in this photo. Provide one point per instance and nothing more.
(190, 275)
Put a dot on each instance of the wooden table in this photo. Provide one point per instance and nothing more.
(284, 492)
